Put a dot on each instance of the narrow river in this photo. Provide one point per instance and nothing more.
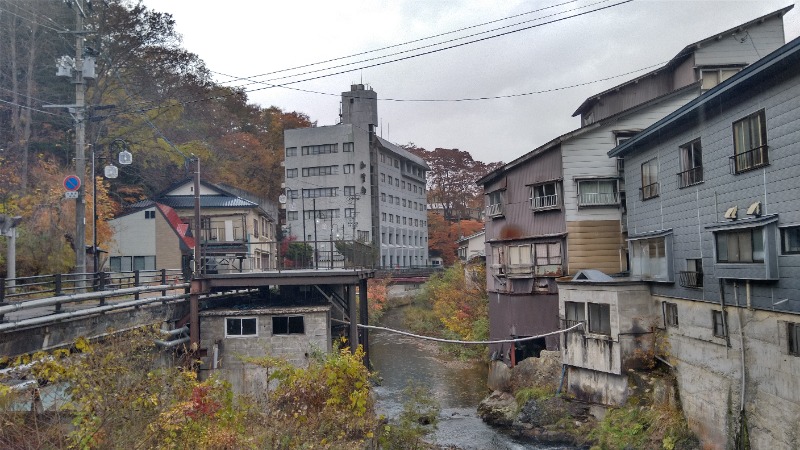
(459, 387)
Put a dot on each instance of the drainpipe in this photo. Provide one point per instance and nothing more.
(722, 305)
(741, 341)
(215, 356)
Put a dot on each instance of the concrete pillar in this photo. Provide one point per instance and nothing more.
(194, 314)
(364, 318)
(352, 312)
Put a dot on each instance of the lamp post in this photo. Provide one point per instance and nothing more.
(110, 171)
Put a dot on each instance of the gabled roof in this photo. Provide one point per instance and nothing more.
(181, 229)
(222, 198)
(578, 132)
(471, 236)
(682, 55)
(747, 82)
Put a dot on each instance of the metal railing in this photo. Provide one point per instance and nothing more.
(749, 160)
(41, 286)
(598, 198)
(691, 176)
(545, 201)
(690, 279)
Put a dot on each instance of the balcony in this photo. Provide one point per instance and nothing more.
(690, 177)
(749, 160)
(691, 279)
(544, 202)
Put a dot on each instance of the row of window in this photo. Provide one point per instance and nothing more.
(403, 261)
(395, 239)
(261, 227)
(248, 326)
(394, 218)
(649, 258)
(322, 149)
(527, 259)
(750, 152)
(397, 182)
(408, 167)
(396, 200)
(543, 196)
(324, 214)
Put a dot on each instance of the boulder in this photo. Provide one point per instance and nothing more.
(544, 371)
(499, 409)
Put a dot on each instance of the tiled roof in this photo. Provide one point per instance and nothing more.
(206, 201)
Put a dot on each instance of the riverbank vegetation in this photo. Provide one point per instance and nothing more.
(453, 305)
(122, 394)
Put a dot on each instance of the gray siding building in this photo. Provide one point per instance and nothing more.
(345, 183)
(715, 233)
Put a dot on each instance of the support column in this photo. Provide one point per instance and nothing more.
(352, 311)
(194, 314)
(363, 317)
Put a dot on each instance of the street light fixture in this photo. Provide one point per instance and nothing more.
(110, 171)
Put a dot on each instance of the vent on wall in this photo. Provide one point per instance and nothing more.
(731, 213)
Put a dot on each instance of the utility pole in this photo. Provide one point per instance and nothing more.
(80, 145)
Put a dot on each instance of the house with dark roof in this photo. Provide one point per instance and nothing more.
(561, 207)
(237, 234)
(715, 257)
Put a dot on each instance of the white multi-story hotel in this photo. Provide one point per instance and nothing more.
(345, 183)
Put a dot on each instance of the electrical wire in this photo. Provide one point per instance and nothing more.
(396, 45)
(32, 109)
(33, 21)
(238, 92)
(416, 48)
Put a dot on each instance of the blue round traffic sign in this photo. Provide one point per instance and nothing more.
(72, 183)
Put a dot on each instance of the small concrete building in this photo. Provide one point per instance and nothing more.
(229, 334)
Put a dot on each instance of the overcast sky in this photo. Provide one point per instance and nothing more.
(245, 38)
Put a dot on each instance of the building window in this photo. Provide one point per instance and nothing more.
(597, 192)
(545, 196)
(793, 335)
(650, 179)
(349, 212)
(691, 164)
(144, 263)
(383, 196)
(713, 77)
(255, 227)
(150, 214)
(383, 217)
(383, 177)
(349, 190)
(790, 240)
(291, 151)
(519, 260)
(548, 254)
(670, 314)
(363, 236)
(719, 324)
(390, 179)
(288, 325)
(293, 193)
(349, 168)
(320, 149)
(649, 259)
(750, 143)
(397, 163)
(397, 201)
(599, 318)
(320, 171)
(574, 313)
(291, 215)
(740, 246)
(291, 173)
(495, 207)
(348, 147)
(692, 277)
(321, 192)
(241, 326)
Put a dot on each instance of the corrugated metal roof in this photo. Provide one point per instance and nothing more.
(206, 201)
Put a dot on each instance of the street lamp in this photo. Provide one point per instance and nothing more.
(110, 171)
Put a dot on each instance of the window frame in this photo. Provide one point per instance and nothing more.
(552, 201)
(241, 333)
(784, 232)
(600, 309)
(739, 232)
(793, 338)
(288, 318)
(494, 203)
(691, 172)
(348, 147)
(719, 323)
(291, 173)
(670, 314)
(291, 151)
(649, 189)
(582, 203)
(574, 313)
(664, 270)
(743, 159)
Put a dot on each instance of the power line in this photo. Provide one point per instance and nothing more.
(402, 44)
(32, 109)
(33, 21)
(270, 86)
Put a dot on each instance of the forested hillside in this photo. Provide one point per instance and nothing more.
(148, 91)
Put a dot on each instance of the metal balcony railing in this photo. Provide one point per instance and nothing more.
(546, 201)
(690, 177)
(598, 198)
(749, 160)
(691, 279)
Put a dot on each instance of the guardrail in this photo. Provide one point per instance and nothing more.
(41, 286)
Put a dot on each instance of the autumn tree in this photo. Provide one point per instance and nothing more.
(451, 181)
(443, 235)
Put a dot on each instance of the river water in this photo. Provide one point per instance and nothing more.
(458, 386)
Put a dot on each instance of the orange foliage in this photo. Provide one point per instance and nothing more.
(377, 296)
(442, 235)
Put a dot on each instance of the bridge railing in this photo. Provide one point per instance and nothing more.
(40, 286)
